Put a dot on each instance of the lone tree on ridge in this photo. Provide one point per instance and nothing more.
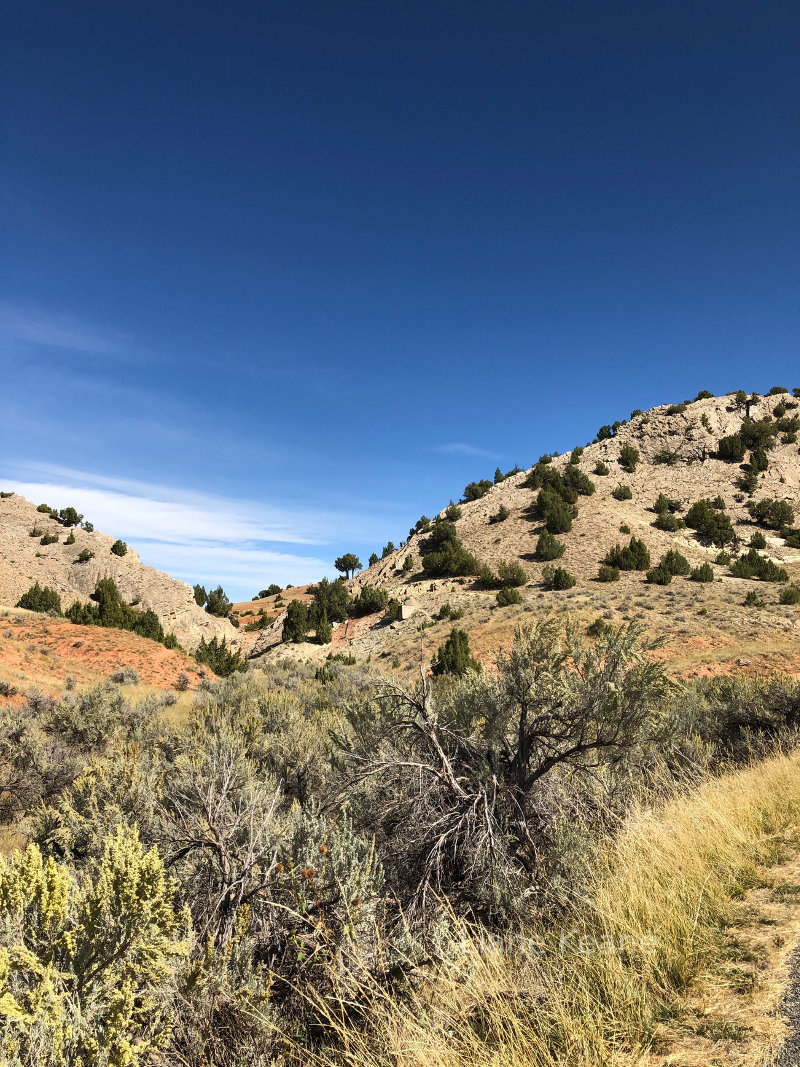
(348, 564)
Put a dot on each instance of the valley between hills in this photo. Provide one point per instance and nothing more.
(524, 790)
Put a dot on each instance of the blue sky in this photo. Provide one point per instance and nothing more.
(277, 279)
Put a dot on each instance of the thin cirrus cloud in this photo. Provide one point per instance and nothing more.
(195, 536)
(460, 448)
(44, 329)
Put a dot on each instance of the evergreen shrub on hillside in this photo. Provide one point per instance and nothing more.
(668, 522)
(666, 458)
(659, 576)
(710, 523)
(703, 573)
(731, 448)
(607, 573)
(507, 597)
(759, 461)
(443, 554)
(453, 657)
(752, 565)
(221, 659)
(368, 602)
(774, 514)
(500, 515)
(476, 490)
(628, 458)
(622, 492)
(676, 563)
(631, 557)
(40, 598)
(119, 548)
(295, 625)
(549, 547)
(557, 578)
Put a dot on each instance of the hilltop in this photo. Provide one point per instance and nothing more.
(26, 558)
(671, 450)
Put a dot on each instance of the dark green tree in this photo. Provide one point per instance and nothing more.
(549, 547)
(216, 655)
(200, 595)
(628, 457)
(331, 599)
(348, 564)
(295, 625)
(453, 657)
(731, 448)
(40, 598)
(217, 603)
(69, 517)
(324, 630)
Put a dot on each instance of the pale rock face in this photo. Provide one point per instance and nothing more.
(55, 566)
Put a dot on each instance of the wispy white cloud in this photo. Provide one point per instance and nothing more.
(45, 329)
(198, 536)
(460, 448)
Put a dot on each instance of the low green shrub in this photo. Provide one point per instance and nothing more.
(119, 548)
(476, 490)
(790, 595)
(731, 448)
(622, 492)
(676, 563)
(508, 596)
(368, 602)
(711, 523)
(752, 565)
(703, 573)
(632, 557)
(628, 457)
(500, 515)
(549, 547)
(221, 659)
(448, 612)
(39, 598)
(557, 578)
(666, 458)
(668, 522)
(453, 657)
(607, 573)
(774, 514)
(659, 576)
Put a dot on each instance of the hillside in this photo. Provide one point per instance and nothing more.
(25, 560)
(707, 626)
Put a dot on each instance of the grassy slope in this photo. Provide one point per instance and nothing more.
(676, 881)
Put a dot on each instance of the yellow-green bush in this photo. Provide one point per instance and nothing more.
(85, 961)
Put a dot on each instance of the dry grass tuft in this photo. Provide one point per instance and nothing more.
(658, 902)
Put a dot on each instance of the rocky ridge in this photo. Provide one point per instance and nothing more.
(24, 560)
(690, 438)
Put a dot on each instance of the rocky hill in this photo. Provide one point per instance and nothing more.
(24, 559)
(707, 625)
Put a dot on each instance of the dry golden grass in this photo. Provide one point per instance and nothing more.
(657, 914)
